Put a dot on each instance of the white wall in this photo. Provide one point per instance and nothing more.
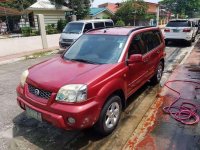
(25, 44)
(50, 16)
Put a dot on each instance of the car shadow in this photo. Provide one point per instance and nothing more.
(45, 136)
(178, 43)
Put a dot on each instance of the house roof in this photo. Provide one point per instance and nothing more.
(111, 6)
(95, 11)
(46, 5)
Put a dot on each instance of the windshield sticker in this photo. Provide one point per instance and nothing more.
(120, 45)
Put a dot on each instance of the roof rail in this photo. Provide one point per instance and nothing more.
(98, 29)
(138, 28)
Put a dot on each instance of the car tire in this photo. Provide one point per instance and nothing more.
(189, 43)
(166, 42)
(109, 116)
(193, 39)
(158, 74)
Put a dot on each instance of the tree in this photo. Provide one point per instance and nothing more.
(18, 4)
(182, 7)
(131, 10)
(80, 8)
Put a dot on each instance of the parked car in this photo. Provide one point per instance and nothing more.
(180, 29)
(89, 84)
(73, 30)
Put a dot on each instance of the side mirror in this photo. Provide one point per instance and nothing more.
(196, 25)
(135, 58)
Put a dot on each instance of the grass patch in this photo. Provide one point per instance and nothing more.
(39, 54)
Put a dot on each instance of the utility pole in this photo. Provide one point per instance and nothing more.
(157, 15)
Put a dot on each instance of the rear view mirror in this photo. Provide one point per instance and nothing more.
(135, 58)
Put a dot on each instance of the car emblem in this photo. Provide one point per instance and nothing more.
(37, 92)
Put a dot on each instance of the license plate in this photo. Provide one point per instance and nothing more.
(33, 114)
(175, 30)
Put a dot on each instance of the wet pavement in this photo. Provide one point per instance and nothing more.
(160, 131)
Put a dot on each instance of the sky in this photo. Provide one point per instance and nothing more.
(97, 2)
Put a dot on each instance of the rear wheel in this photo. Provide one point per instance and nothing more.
(189, 43)
(109, 116)
(193, 39)
(157, 77)
(166, 42)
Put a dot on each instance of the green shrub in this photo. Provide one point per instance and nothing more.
(50, 29)
(26, 31)
(120, 23)
(35, 33)
(61, 24)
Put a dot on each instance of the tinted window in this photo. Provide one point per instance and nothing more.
(73, 28)
(109, 24)
(178, 24)
(88, 26)
(152, 39)
(99, 24)
(137, 46)
(100, 49)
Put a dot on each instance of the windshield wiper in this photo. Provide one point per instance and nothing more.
(83, 60)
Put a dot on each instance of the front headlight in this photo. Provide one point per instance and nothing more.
(72, 93)
(23, 77)
(60, 39)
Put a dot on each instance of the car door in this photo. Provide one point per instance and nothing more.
(137, 72)
(152, 40)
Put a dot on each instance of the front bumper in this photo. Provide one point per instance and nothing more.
(64, 45)
(85, 114)
(185, 37)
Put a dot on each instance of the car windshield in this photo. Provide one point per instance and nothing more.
(73, 28)
(97, 49)
(178, 24)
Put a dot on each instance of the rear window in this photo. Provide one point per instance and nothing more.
(179, 24)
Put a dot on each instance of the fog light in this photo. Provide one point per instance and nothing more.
(71, 120)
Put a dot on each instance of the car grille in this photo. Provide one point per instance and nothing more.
(39, 92)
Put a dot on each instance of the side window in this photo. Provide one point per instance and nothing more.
(109, 24)
(137, 46)
(99, 24)
(152, 39)
(156, 38)
(88, 26)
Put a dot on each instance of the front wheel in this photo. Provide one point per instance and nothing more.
(109, 116)
(158, 75)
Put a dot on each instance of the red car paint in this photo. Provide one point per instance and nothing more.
(102, 81)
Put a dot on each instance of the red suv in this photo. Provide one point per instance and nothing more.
(89, 84)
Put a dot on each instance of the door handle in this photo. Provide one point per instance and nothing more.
(158, 51)
(146, 60)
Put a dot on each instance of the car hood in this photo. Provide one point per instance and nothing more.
(70, 36)
(53, 74)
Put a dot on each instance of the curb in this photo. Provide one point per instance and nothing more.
(29, 56)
